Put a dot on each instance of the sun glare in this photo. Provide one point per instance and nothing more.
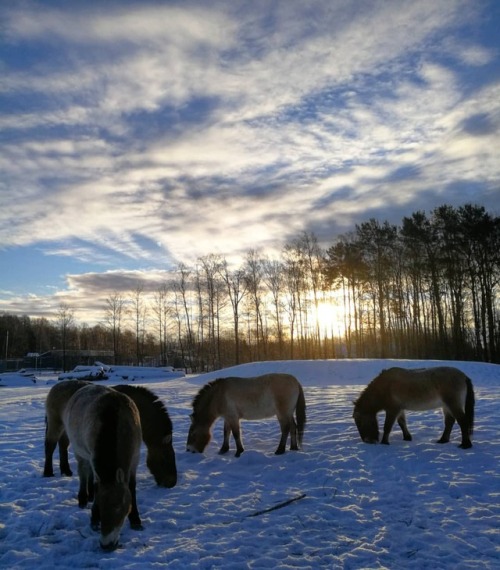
(329, 318)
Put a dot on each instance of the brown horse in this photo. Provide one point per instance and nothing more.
(105, 430)
(398, 389)
(155, 422)
(250, 399)
(156, 433)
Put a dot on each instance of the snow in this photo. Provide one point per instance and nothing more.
(352, 505)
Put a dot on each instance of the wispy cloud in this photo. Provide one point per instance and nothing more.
(159, 133)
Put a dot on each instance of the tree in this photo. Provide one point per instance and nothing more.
(236, 287)
(114, 314)
(274, 278)
(139, 315)
(160, 309)
(377, 243)
(65, 319)
(253, 277)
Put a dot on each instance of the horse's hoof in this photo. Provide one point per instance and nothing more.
(48, 474)
(109, 547)
(279, 452)
(465, 445)
(136, 526)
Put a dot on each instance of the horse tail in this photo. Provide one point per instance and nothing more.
(300, 415)
(469, 404)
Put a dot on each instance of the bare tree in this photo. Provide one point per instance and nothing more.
(65, 319)
(160, 309)
(274, 277)
(254, 285)
(139, 316)
(236, 286)
(114, 314)
(211, 285)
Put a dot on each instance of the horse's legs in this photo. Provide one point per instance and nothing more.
(48, 470)
(466, 442)
(404, 427)
(465, 428)
(236, 429)
(53, 431)
(293, 435)
(63, 455)
(86, 482)
(390, 418)
(449, 421)
(95, 513)
(285, 430)
(227, 433)
(133, 517)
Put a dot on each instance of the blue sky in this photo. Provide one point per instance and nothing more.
(138, 135)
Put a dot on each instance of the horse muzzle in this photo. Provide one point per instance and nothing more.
(110, 541)
(109, 547)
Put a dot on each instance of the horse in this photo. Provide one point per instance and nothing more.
(250, 399)
(155, 422)
(398, 389)
(104, 428)
(156, 433)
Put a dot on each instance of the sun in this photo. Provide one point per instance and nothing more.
(329, 317)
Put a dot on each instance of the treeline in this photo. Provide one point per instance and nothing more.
(428, 288)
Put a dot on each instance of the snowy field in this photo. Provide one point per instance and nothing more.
(351, 505)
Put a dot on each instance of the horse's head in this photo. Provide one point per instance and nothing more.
(161, 463)
(115, 502)
(367, 425)
(198, 437)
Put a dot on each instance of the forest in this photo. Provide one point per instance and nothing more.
(427, 288)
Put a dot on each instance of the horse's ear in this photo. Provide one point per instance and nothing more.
(120, 475)
(167, 440)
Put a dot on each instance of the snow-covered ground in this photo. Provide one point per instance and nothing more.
(352, 505)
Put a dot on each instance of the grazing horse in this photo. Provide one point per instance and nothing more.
(250, 399)
(397, 389)
(105, 430)
(155, 422)
(156, 433)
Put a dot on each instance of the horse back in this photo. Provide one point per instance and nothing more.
(104, 428)
(424, 388)
(58, 397)
(260, 397)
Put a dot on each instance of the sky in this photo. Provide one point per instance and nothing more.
(137, 135)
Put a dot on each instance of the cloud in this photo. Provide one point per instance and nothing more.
(217, 129)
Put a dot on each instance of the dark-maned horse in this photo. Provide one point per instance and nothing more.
(105, 431)
(155, 422)
(156, 433)
(397, 389)
(250, 399)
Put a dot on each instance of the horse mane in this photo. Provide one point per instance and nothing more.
(157, 411)
(366, 395)
(201, 398)
(105, 459)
